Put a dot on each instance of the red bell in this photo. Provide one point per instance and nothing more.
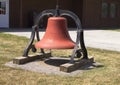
(56, 35)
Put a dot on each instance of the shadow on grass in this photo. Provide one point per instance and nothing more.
(58, 62)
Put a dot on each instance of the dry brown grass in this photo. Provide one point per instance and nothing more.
(12, 46)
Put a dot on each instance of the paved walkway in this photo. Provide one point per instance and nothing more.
(109, 40)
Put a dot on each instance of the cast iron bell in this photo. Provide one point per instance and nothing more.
(56, 35)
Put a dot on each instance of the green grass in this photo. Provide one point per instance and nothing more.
(111, 29)
(13, 46)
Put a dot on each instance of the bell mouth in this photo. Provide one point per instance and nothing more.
(55, 45)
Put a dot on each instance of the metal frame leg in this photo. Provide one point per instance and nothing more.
(32, 38)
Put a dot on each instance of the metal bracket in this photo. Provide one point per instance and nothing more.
(58, 12)
(32, 38)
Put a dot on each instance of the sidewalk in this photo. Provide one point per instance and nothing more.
(109, 40)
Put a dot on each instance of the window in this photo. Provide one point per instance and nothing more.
(2, 7)
(113, 10)
(109, 10)
(104, 9)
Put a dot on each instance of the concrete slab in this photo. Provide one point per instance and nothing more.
(50, 66)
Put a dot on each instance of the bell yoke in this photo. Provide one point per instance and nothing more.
(56, 35)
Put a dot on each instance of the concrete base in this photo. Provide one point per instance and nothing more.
(69, 67)
(41, 66)
(23, 60)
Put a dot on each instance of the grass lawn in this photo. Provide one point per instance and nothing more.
(111, 29)
(13, 46)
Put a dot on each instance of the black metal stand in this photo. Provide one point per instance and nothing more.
(58, 12)
(30, 44)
